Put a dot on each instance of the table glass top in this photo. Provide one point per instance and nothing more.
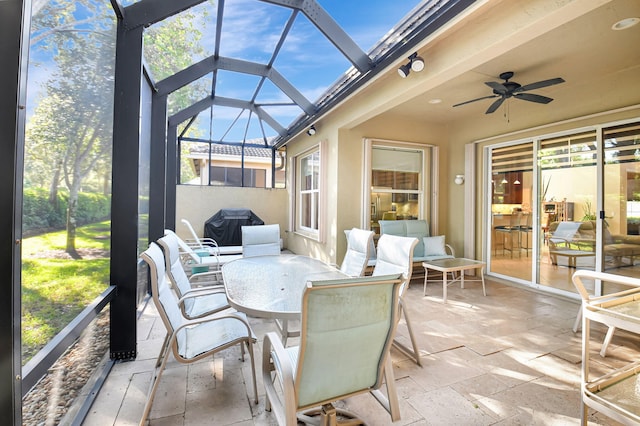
(454, 263)
(272, 286)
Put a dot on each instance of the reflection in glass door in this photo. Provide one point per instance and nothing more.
(621, 225)
(568, 198)
(511, 229)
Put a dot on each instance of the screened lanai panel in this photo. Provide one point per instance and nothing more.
(175, 43)
(252, 36)
(190, 94)
(67, 199)
(305, 53)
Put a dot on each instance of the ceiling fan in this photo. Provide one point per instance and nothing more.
(508, 89)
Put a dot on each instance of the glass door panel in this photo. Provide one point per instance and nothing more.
(511, 231)
(621, 226)
(568, 194)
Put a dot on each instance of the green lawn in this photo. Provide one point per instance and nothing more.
(55, 288)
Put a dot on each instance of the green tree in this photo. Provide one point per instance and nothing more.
(69, 136)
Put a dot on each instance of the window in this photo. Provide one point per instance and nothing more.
(232, 176)
(308, 181)
(397, 181)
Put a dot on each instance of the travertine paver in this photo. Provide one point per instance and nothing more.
(508, 358)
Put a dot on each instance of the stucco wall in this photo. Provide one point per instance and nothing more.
(199, 203)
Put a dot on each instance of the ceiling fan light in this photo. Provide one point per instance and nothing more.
(417, 64)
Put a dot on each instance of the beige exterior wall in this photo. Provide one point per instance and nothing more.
(199, 203)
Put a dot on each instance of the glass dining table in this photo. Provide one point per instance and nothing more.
(272, 286)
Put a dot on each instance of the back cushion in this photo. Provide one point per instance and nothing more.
(417, 229)
(393, 227)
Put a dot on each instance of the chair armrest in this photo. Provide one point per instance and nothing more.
(202, 291)
(273, 349)
(450, 250)
(209, 278)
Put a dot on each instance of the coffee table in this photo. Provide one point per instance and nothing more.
(459, 264)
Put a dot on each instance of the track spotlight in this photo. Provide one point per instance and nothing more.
(416, 63)
(312, 130)
(404, 70)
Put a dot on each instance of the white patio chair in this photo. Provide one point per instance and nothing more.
(194, 302)
(356, 258)
(193, 260)
(371, 262)
(395, 255)
(191, 340)
(260, 240)
(347, 330)
(209, 244)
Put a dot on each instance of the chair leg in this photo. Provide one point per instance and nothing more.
(607, 340)
(155, 380)
(389, 402)
(412, 353)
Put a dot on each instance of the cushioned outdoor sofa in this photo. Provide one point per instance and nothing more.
(428, 247)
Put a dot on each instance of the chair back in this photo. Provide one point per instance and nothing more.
(347, 328)
(565, 231)
(182, 246)
(175, 271)
(163, 297)
(395, 255)
(260, 240)
(357, 255)
(196, 239)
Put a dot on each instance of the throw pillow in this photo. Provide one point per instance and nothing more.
(434, 246)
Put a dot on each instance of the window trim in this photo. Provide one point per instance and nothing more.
(314, 234)
(429, 193)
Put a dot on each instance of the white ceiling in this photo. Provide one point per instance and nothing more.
(601, 68)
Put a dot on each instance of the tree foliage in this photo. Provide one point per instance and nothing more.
(69, 134)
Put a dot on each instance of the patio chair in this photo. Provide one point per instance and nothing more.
(578, 278)
(199, 262)
(209, 244)
(371, 262)
(194, 302)
(356, 259)
(191, 340)
(347, 330)
(260, 240)
(395, 255)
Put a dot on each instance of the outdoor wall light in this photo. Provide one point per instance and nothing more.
(416, 63)
(312, 130)
(459, 180)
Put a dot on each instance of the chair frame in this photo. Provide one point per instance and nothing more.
(382, 268)
(287, 410)
(154, 258)
(577, 277)
(212, 294)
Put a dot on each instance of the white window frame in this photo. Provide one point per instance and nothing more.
(432, 159)
(318, 210)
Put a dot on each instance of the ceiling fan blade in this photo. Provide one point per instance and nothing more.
(531, 97)
(478, 99)
(494, 106)
(500, 88)
(539, 84)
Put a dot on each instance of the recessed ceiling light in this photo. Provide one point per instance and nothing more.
(435, 101)
(623, 24)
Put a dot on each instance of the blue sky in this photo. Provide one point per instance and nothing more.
(307, 59)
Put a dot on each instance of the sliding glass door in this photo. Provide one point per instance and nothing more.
(577, 207)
